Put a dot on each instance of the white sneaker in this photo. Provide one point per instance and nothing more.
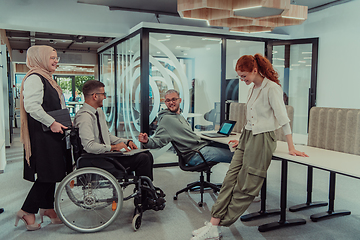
(197, 231)
(210, 232)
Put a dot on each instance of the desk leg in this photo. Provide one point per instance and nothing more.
(330, 213)
(262, 213)
(309, 203)
(282, 222)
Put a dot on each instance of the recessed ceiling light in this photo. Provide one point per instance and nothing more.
(298, 18)
(239, 9)
(211, 39)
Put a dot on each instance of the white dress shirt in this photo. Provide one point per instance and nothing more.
(86, 121)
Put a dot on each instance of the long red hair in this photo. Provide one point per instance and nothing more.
(247, 63)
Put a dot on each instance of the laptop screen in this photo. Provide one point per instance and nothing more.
(226, 128)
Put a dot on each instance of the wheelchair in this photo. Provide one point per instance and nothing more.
(90, 198)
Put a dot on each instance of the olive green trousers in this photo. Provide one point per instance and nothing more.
(246, 174)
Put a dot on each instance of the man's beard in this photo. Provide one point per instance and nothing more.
(176, 110)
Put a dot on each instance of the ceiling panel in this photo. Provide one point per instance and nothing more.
(164, 11)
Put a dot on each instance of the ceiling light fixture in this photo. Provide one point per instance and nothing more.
(244, 15)
(246, 8)
(211, 39)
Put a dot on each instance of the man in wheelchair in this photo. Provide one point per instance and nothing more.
(96, 139)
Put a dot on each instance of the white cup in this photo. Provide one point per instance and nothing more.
(232, 149)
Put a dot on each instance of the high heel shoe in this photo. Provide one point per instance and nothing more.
(20, 215)
(55, 220)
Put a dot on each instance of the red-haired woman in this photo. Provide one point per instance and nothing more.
(265, 112)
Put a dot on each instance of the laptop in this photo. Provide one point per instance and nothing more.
(124, 153)
(224, 130)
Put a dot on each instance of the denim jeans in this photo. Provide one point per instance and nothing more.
(212, 153)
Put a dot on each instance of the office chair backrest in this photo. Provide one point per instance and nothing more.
(336, 129)
(183, 164)
(237, 112)
(181, 161)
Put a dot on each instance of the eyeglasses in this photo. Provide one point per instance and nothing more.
(171, 100)
(103, 93)
(55, 58)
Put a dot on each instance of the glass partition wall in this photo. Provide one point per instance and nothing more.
(107, 76)
(190, 65)
(128, 88)
(296, 61)
(140, 68)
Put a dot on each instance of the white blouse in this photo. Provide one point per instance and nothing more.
(265, 109)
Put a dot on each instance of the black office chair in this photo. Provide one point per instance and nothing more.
(203, 167)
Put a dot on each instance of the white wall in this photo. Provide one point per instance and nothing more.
(338, 81)
(65, 16)
(207, 78)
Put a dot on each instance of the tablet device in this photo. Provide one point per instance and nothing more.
(224, 130)
(62, 116)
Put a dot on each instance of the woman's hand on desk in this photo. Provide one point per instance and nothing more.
(292, 150)
(295, 152)
(234, 142)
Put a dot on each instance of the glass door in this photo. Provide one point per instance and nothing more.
(296, 63)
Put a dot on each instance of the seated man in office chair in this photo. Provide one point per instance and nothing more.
(96, 138)
(172, 126)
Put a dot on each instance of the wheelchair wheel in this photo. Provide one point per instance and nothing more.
(136, 222)
(88, 200)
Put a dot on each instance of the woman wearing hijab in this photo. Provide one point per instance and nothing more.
(45, 151)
